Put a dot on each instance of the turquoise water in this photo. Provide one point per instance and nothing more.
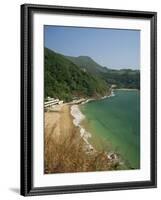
(114, 123)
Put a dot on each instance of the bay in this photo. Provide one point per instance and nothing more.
(114, 124)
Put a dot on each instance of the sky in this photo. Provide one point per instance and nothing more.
(112, 48)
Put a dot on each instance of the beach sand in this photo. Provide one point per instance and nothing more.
(66, 144)
(60, 122)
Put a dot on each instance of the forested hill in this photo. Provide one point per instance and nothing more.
(87, 63)
(123, 78)
(68, 77)
(65, 80)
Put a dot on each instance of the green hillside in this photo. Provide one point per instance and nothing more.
(124, 78)
(65, 80)
(88, 64)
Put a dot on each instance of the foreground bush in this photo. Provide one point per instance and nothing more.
(66, 153)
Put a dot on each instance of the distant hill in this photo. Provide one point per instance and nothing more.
(123, 78)
(68, 77)
(87, 63)
(65, 80)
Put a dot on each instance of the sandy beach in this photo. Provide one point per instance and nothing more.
(67, 146)
(62, 123)
(66, 143)
(59, 122)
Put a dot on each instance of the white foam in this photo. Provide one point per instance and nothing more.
(88, 100)
(76, 113)
(112, 94)
(108, 96)
(78, 118)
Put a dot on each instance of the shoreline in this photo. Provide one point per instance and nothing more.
(127, 89)
(67, 148)
(68, 116)
(78, 117)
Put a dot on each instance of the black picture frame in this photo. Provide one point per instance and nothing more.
(27, 188)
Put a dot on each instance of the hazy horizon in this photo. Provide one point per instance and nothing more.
(111, 48)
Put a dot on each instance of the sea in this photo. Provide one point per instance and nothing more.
(114, 124)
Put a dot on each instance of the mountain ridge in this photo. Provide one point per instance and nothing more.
(65, 80)
(87, 63)
(67, 77)
(122, 78)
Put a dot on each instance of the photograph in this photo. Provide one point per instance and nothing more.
(91, 99)
(88, 99)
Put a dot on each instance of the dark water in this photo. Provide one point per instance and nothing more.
(114, 123)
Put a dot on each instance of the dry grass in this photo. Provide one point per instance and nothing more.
(66, 153)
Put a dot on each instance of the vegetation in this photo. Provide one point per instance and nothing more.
(65, 80)
(65, 153)
(86, 63)
(124, 78)
(68, 77)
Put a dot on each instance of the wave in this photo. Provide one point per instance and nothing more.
(108, 96)
(112, 94)
(78, 118)
(88, 100)
(76, 113)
